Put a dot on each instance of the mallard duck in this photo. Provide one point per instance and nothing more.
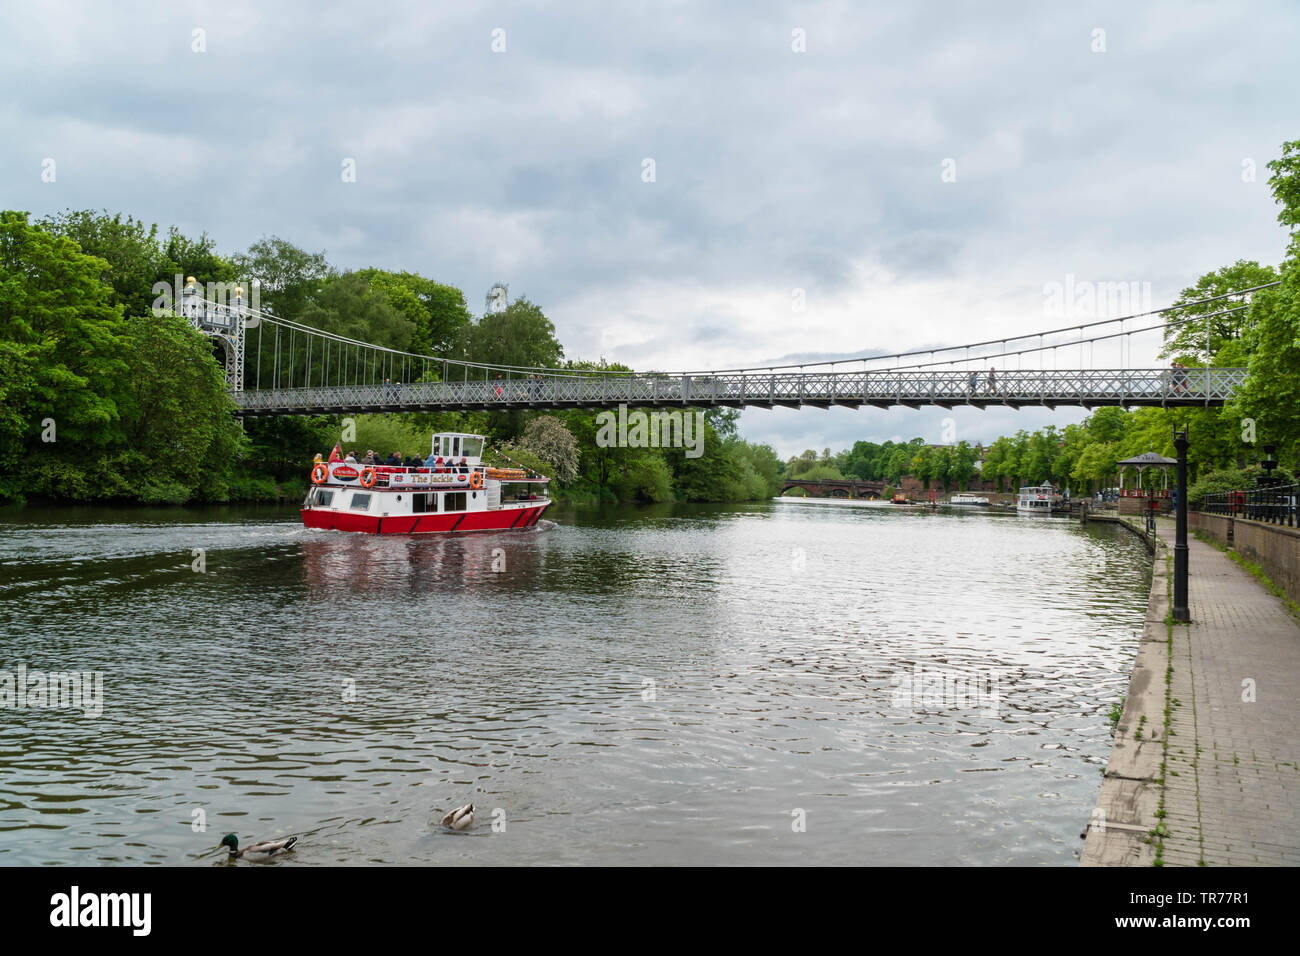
(257, 852)
(459, 819)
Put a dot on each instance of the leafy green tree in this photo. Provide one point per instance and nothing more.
(63, 329)
(1186, 332)
(130, 251)
(287, 274)
(961, 467)
(347, 305)
(439, 316)
(519, 335)
(181, 437)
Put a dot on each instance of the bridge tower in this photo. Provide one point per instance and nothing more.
(224, 322)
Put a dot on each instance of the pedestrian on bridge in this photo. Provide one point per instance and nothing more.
(992, 387)
(974, 382)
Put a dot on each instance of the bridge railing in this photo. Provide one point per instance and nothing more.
(1051, 386)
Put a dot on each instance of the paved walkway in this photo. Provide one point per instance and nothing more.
(1231, 791)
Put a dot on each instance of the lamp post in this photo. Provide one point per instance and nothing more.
(1181, 613)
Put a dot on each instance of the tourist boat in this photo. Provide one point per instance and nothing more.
(461, 495)
(965, 499)
(1037, 499)
(899, 498)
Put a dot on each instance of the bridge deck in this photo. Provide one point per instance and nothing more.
(914, 389)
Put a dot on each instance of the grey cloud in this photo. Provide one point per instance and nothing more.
(774, 170)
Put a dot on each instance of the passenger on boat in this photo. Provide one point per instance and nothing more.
(464, 466)
(371, 458)
(438, 465)
(351, 459)
(415, 461)
(394, 460)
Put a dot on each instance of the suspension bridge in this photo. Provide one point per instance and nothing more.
(277, 366)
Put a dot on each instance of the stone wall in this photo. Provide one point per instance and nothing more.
(1275, 548)
(1218, 527)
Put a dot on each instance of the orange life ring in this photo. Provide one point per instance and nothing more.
(319, 473)
(367, 477)
(476, 480)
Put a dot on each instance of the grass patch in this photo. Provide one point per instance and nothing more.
(1116, 711)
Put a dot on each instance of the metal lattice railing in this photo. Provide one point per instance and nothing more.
(1088, 387)
(1275, 504)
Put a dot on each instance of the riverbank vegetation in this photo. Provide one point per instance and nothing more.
(107, 396)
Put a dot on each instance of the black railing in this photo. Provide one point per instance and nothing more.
(1275, 504)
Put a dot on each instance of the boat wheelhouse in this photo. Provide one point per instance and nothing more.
(454, 492)
(1037, 499)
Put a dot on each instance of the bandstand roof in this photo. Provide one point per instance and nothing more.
(1149, 458)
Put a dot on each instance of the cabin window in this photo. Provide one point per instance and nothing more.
(361, 502)
(424, 502)
(323, 497)
(453, 501)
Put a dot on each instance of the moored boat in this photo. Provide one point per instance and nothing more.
(968, 499)
(1037, 499)
(456, 492)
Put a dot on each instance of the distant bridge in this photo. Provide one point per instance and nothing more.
(832, 488)
(276, 366)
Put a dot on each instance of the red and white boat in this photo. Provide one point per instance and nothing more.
(460, 495)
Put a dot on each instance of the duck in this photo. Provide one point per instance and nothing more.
(459, 819)
(258, 852)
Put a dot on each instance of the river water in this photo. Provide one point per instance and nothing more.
(779, 682)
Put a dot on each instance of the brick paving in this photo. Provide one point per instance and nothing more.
(1232, 784)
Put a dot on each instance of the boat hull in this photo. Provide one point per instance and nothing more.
(507, 519)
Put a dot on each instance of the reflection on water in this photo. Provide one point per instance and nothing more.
(675, 684)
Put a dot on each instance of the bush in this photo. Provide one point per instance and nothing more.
(1228, 479)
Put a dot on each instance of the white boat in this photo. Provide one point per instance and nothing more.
(965, 499)
(455, 491)
(1037, 499)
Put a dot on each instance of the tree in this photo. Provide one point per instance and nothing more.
(437, 312)
(548, 439)
(347, 305)
(181, 437)
(519, 335)
(961, 468)
(129, 249)
(63, 329)
(287, 275)
(1271, 395)
(1186, 332)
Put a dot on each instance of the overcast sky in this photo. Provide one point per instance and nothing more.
(920, 171)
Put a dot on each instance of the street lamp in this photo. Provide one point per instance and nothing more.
(1181, 612)
(1268, 464)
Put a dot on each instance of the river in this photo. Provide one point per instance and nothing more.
(672, 684)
